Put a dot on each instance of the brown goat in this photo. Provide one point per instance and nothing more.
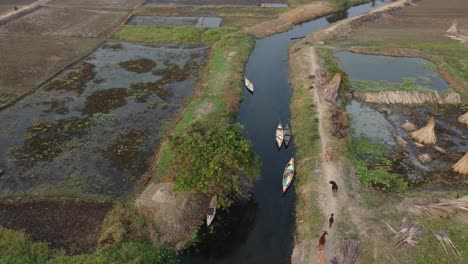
(327, 154)
(331, 220)
(322, 240)
(334, 187)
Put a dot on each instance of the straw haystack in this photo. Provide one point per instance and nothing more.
(424, 158)
(463, 119)
(440, 210)
(446, 243)
(454, 28)
(401, 142)
(426, 135)
(408, 126)
(350, 251)
(462, 165)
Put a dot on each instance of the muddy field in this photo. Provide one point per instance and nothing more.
(426, 21)
(207, 22)
(24, 66)
(113, 4)
(69, 22)
(92, 130)
(213, 2)
(8, 5)
(70, 225)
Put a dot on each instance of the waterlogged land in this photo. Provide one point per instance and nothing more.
(113, 107)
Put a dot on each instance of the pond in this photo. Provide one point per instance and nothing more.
(91, 130)
(370, 73)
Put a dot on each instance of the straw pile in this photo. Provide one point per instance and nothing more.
(454, 28)
(426, 135)
(447, 243)
(409, 233)
(462, 165)
(409, 97)
(424, 158)
(463, 119)
(408, 126)
(350, 250)
(440, 210)
(401, 142)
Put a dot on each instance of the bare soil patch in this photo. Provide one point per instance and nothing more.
(24, 66)
(70, 22)
(8, 5)
(212, 2)
(123, 4)
(67, 224)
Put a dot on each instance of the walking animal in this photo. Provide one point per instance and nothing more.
(327, 154)
(322, 240)
(334, 187)
(331, 220)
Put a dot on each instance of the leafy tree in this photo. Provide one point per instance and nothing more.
(215, 158)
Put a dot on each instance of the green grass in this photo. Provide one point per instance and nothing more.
(409, 84)
(173, 35)
(18, 248)
(307, 141)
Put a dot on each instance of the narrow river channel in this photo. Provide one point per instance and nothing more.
(271, 238)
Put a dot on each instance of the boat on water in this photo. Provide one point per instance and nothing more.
(279, 135)
(249, 85)
(287, 135)
(288, 174)
(210, 215)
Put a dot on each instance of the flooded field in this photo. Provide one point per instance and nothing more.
(371, 73)
(383, 124)
(91, 130)
(207, 22)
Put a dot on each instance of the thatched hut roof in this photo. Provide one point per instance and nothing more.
(408, 126)
(463, 119)
(426, 135)
(462, 165)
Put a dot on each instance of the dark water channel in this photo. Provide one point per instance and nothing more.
(270, 237)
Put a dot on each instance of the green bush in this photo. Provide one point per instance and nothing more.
(373, 167)
(214, 157)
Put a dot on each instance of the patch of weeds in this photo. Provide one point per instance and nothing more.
(142, 91)
(125, 150)
(373, 167)
(102, 101)
(99, 81)
(408, 84)
(74, 80)
(46, 140)
(428, 65)
(332, 66)
(139, 65)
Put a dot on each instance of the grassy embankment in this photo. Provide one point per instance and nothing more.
(221, 86)
(304, 123)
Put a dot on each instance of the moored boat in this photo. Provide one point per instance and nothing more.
(287, 135)
(210, 215)
(288, 174)
(249, 85)
(279, 135)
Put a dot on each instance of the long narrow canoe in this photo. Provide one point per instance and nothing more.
(288, 175)
(249, 85)
(287, 135)
(210, 215)
(279, 135)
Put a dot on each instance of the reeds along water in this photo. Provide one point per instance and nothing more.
(405, 97)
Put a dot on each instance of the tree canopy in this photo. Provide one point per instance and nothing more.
(215, 159)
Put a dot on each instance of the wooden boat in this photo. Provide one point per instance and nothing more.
(279, 135)
(210, 215)
(249, 85)
(288, 175)
(287, 135)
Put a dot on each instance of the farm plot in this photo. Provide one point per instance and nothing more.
(212, 2)
(24, 66)
(91, 131)
(69, 22)
(114, 4)
(8, 5)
